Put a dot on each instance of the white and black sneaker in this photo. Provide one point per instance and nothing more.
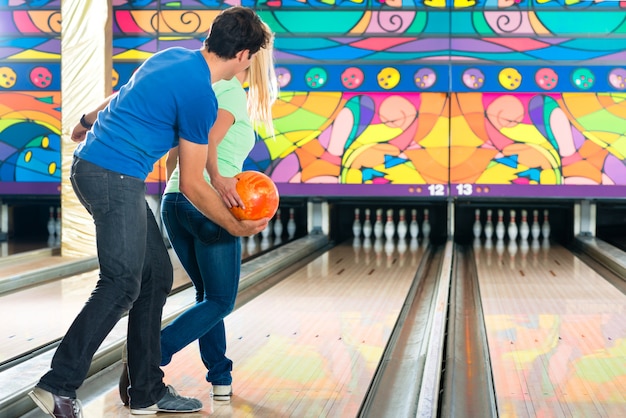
(222, 392)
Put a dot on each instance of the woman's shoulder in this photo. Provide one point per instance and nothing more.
(230, 87)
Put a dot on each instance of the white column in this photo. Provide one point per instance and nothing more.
(86, 74)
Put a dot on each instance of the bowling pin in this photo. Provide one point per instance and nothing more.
(390, 227)
(267, 230)
(278, 240)
(378, 224)
(545, 227)
(414, 228)
(291, 224)
(512, 229)
(477, 228)
(356, 225)
(535, 229)
(278, 226)
(426, 225)
(265, 242)
(367, 224)
(488, 226)
(402, 227)
(524, 230)
(500, 225)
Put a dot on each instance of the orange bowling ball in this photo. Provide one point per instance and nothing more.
(259, 195)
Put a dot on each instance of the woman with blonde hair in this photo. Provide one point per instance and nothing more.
(210, 255)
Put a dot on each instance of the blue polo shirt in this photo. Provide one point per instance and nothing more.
(167, 98)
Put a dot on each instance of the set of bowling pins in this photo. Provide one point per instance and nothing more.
(512, 231)
(54, 227)
(528, 233)
(381, 232)
(386, 226)
(272, 235)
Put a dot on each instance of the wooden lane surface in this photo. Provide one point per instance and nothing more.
(307, 347)
(15, 247)
(24, 265)
(42, 313)
(556, 331)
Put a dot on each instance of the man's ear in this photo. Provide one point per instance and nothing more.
(243, 54)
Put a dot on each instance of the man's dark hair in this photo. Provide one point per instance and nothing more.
(236, 29)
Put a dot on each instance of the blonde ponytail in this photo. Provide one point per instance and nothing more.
(263, 89)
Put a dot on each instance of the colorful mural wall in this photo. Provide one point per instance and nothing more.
(378, 98)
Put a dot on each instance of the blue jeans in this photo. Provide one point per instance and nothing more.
(135, 276)
(212, 259)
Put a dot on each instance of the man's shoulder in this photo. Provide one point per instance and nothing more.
(175, 51)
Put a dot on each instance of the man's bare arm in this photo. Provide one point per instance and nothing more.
(191, 164)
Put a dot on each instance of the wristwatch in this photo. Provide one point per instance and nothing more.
(84, 123)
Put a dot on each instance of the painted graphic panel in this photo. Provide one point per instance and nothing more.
(400, 98)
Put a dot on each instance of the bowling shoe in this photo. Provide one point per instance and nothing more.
(123, 385)
(124, 381)
(170, 402)
(222, 392)
(56, 406)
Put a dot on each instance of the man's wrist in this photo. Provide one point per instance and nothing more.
(84, 123)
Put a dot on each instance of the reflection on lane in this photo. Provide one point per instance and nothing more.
(556, 332)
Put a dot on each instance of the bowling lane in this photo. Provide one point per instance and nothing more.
(309, 345)
(556, 332)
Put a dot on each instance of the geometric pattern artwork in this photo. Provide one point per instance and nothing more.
(393, 97)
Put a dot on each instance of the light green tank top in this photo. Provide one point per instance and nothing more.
(239, 140)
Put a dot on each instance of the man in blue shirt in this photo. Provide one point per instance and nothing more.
(168, 102)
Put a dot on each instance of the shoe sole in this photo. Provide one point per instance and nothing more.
(40, 403)
(155, 411)
(221, 398)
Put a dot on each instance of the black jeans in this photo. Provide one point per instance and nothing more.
(136, 276)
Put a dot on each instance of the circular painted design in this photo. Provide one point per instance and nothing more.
(316, 77)
(283, 75)
(352, 78)
(388, 78)
(617, 78)
(583, 78)
(425, 78)
(510, 78)
(8, 78)
(546, 78)
(473, 78)
(41, 77)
